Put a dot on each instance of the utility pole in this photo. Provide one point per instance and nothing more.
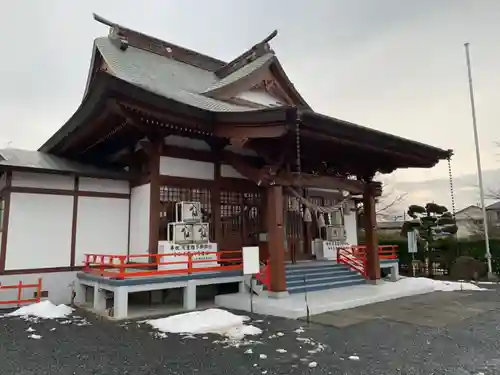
(491, 275)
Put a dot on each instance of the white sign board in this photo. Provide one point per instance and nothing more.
(251, 260)
(412, 242)
(176, 254)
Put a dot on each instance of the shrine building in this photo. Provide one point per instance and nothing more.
(167, 142)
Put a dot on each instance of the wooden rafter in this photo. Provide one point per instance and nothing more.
(268, 176)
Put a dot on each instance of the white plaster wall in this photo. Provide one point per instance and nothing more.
(139, 219)
(186, 168)
(194, 144)
(228, 171)
(103, 185)
(39, 231)
(260, 97)
(58, 284)
(43, 180)
(351, 229)
(101, 227)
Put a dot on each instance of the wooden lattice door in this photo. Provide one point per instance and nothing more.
(240, 219)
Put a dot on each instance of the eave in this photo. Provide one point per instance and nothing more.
(105, 88)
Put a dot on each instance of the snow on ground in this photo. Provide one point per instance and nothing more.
(216, 321)
(439, 285)
(42, 310)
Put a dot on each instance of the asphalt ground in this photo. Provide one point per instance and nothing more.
(439, 333)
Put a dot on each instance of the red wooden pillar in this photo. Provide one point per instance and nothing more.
(276, 239)
(371, 238)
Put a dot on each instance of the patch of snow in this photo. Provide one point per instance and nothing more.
(438, 285)
(299, 330)
(248, 351)
(280, 334)
(35, 337)
(43, 310)
(281, 350)
(354, 358)
(52, 329)
(262, 356)
(313, 364)
(216, 321)
(30, 330)
(264, 372)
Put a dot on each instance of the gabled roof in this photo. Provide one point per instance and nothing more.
(184, 75)
(172, 80)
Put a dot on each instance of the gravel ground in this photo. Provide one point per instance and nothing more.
(387, 347)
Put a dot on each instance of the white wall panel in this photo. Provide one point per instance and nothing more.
(260, 97)
(139, 219)
(39, 233)
(103, 185)
(43, 180)
(102, 227)
(228, 171)
(351, 228)
(186, 168)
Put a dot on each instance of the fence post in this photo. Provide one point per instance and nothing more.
(190, 263)
(19, 292)
(121, 273)
(39, 290)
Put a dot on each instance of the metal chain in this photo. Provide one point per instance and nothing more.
(452, 193)
(297, 139)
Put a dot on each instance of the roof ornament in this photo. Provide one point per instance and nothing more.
(115, 34)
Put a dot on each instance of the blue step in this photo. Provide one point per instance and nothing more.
(314, 276)
(321, 279)
(324, 286)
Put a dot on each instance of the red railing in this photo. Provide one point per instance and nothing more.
(181, 263)
(352, 257)
(20, 286)
(355, 256)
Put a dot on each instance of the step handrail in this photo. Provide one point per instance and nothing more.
(355, 260)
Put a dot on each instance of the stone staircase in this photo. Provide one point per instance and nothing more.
(320, 275)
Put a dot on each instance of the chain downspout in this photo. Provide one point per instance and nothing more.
(452, 192)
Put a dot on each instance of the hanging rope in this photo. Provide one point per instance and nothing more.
(452, 192)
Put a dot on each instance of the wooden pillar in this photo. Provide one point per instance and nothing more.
(371, 238)
(215, 203)
(154, 208)
(276, 239)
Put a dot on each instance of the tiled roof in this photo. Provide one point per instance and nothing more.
(163, 76)
(494, 206)
(36, 160)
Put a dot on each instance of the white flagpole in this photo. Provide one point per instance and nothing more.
(478, 160)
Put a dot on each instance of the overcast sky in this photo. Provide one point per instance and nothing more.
(393, 65)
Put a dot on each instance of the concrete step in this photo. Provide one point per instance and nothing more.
(324, 286)
(323, 279)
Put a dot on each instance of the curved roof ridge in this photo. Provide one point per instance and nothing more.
(243, 78)
(249, 55)
(189, 56)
